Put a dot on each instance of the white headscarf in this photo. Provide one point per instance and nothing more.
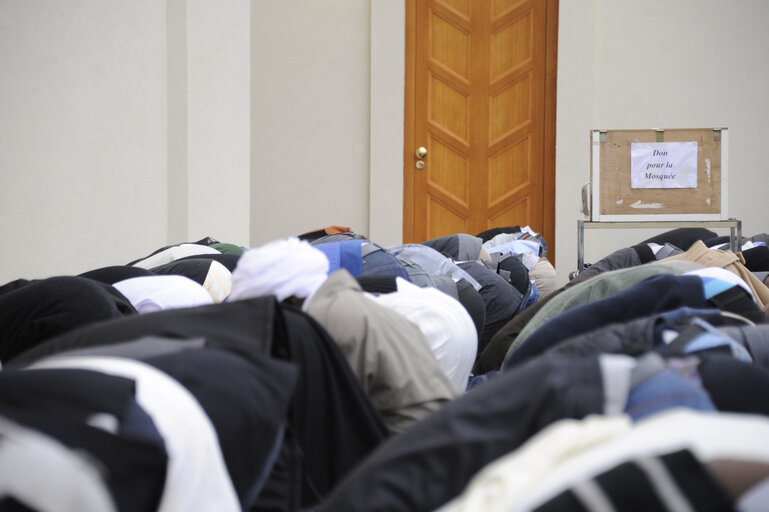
(148, 294)
(284, 268)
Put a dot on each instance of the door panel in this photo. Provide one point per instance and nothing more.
(476, 100)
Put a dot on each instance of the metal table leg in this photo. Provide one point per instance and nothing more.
(580, 246)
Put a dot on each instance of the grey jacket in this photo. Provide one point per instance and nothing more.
(388, 354)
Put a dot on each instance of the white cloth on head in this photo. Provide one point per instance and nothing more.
(283, 268)
(148, 294)
(443, 320)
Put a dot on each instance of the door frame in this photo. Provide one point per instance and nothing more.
(551, 67)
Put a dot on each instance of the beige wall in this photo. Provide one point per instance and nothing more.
(82, 134)
(219, 119)
(310, 116)
(679, 64)
(124, 126)
(127, 125)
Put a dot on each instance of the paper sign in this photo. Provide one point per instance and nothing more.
(663, 164)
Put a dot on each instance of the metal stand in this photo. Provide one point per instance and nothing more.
(735, 234)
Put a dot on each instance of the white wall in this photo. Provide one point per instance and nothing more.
(129, 124)
(124, 126)
(388, 48)
(680, 64)
(219, 119)
(82, 134)
(310, 116)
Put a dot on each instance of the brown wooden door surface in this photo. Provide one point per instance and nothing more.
(480, 96)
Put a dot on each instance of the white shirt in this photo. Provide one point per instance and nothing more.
(443, 320)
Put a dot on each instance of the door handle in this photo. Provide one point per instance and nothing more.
(421, 152)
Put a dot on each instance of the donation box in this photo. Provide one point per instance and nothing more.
(665, 175)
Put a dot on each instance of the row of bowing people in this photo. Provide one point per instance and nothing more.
(327, 372)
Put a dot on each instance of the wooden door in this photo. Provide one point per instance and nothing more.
(480, 97)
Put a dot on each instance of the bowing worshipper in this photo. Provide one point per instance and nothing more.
(678, 459)
(205, 242)
(228, 260)
(115, 273)
(42, 474)
(678, 331)
(683, 238)
(346, 254)
(543, 275)
(756, 258)
(228, 248)
(377, 261)
(471, 300)
(734, 263)
(575, 293)
(336, 236)
(361, 257)
(531, 241)
(208, 426)
(319, 233)
(331, 424)
(501, 299)
(516, 273)
(708, 354)
(421, 278)
(172, 253)
(431, 462)
(107, 440)
(459, 247)
(444, 271)
(148, 294)
(447, 326)
(432, 261)
(631, 257)
(434, 312)
(461, 291)
(492, 232)
(663, 292)
(463, 247)
(527, 245)
(491, 359)
(447, 276)
(214, 276)
(37, 310)
(387, 353)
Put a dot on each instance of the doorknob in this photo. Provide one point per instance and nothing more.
(421, 152)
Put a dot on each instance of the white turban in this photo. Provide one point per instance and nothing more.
(283, 268)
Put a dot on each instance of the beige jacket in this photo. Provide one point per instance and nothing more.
(389, 354)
